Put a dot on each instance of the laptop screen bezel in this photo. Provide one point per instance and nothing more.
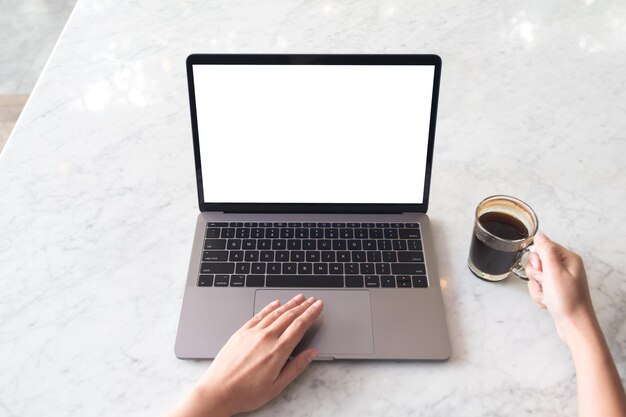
(311, 59)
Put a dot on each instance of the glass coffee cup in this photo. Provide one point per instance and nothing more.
(504, 228)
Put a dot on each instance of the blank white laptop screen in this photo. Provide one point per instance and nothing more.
(313, 133)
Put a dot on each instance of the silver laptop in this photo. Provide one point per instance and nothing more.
(313, 175)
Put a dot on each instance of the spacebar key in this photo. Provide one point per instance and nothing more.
(306, 281)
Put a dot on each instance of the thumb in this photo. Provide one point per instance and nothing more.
(549, 253)
(295, 367)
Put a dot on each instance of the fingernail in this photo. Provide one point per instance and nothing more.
(311, 300)
(298, 297)
(274, 303)
(313, 355)
(318, 303)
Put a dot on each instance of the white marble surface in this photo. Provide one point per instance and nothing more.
(98, 203)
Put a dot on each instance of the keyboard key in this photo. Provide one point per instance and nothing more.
(331, 233)
(396, 225)
(351, 268)
(250, 224)
(219, 224)
(320, 269)
(236, 224)
(369, 245)
(388, 281)
(409, 233)
(287, 233)
(264, 244)
(267, 255)
(235, 255)
(214, 244)
(390, 233)
(335, 268)
(389, 256)
(279, 244)
(382, 269)
(340, 244)
(414, 245)
(258, 233)
(205, 281)
(237, 280)
(323, 225)
(243, 233)
(328, 256)
(294, 244)
(399, 245)
(313, 256)
(228, 232)
(306, 281)
(382, 225)
(265, 224)
(274, 268)
(384, 244)
(403, 281)
(343, 256)
(212, 233)
(294, 224)
(272, 233)
(361, 233)
(309, 244)
(282, 256)
(258, 268)
(354, 245)
(373, 256)
(217, 268)
(317, 233)
(346, 233)
(408, 269)
(411, 256)
(255, 281)
(324, 244)
(234, 244)
(412, 225)
(339, 225)
(214, 255)
(297, 256)
(367, 268)
(249, 244)
(354, 281)
(309, 225)
(376, 233)
(305, 268)
(221, 281)
(372, 281)
(242, 268)
(251, 255)
(358, 256)
(290, 268)
(419, 281)
(280, 224)
(302, 233)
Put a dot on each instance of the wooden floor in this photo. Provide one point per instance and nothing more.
(10, 109)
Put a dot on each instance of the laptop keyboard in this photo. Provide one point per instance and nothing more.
(306, 255)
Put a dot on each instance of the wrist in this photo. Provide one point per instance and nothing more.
(204, 401)
(580, 329)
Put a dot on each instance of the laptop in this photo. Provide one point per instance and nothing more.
(313, 175)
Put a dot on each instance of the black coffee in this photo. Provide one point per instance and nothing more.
(492, 261)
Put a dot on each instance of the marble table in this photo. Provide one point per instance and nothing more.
(98, 200)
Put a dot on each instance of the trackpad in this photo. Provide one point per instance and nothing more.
(345, 326)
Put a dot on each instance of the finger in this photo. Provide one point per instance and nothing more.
(534, 261)
(272, 316)
(261, 314)
(295, 367)
(534, 273)
(550, 254)
(536, 293)
(281, 323)
(294, 333)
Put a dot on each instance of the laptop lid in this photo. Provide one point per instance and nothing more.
(313, 133)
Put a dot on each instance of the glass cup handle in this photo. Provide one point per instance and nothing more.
(518, 269)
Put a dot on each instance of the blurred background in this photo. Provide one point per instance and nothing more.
(29, 29)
